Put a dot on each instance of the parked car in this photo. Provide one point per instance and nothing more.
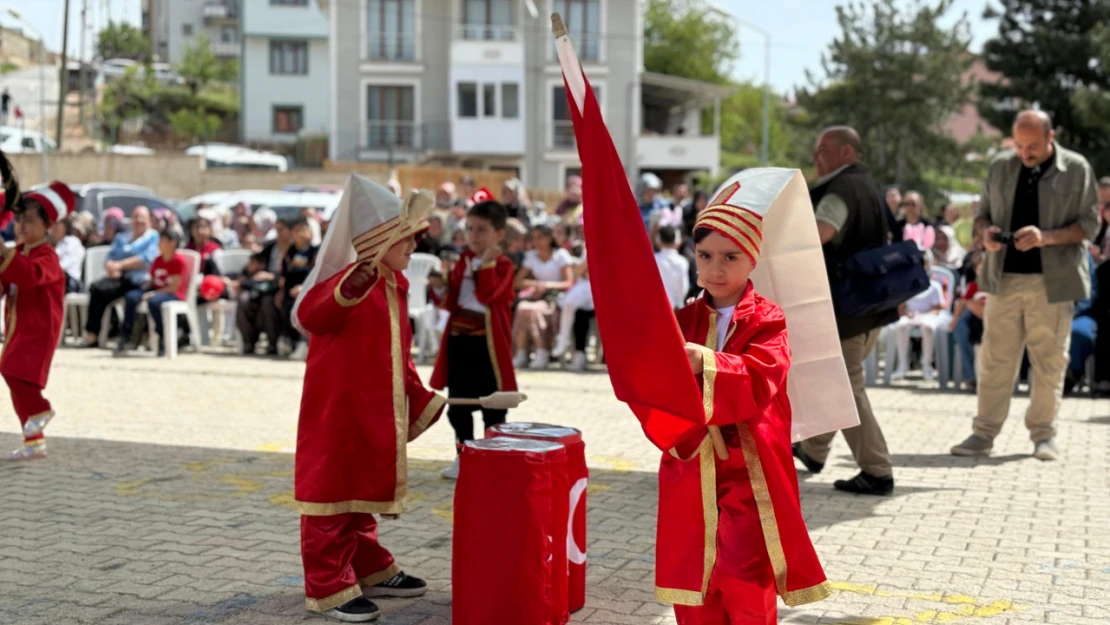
(97, 197)
(16, 140)
(218, 155)
(290, 203)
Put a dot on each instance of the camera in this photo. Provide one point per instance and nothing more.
(1005, 238)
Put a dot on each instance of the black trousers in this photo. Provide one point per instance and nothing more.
(101, 294)
(469, 375)
(255, 316)
(582, 320)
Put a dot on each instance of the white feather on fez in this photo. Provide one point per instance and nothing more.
(369, 220)
(767, 212)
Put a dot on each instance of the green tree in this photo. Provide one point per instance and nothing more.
(200, 66)
(895, 75)
(1052, 54)
(686, 38)
(195, 124)
(121, 40)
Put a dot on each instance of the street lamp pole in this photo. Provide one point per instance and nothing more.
(42, 84)
(764, 156)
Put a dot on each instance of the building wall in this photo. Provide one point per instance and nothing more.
(168, 20)
(261, 91)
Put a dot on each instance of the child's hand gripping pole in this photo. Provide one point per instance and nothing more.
(501, 400)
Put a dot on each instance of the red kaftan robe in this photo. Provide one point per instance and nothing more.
(35, 286)
(493, 286)
(710, 510)
(363, 400)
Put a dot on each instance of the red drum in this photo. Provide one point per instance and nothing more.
(508, 562)
(577, 478)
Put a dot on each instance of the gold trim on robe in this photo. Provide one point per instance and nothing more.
(434, 405)
(334, 601)
(344, 301)
(379, 577)
(766, 509)
(400, 403)
(492, 349)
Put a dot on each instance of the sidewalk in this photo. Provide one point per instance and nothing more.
(167, 500)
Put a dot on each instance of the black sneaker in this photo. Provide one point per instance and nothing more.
(864, 484)
(361, 610)
(400, 585)
(811, 465)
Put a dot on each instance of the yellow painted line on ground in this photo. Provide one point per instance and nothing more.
(965, 607)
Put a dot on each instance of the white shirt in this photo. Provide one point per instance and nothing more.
(467, 299)
(550, 270)
(674, 269)
(926, 300)
(71, 255)
(724, 318)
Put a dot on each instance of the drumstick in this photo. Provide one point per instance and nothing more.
(501, 400)
(718, 442)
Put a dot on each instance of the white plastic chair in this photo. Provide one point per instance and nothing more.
(94, 270)
(170, 310)
(228, 263)
(420, 266)
(940, 337)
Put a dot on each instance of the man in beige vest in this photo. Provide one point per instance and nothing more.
(1038, 205)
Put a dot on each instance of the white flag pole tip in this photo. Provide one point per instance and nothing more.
(557, 25)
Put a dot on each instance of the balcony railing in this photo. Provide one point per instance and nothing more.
(219, 11)
(407, 136)
(225, 48)
(485, 32)
(587, 46)
(391, 46)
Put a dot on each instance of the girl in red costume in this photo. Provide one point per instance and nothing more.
(35, 285)
(362, 402)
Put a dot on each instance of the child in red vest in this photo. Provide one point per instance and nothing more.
(33, 281)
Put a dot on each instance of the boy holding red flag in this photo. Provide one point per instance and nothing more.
(731, 535)
(35, 284)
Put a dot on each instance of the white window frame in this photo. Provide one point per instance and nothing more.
(386, 66)
(457, 101)
(549, 114)
(501, 101)
(417, 112)
(602, 33)
(457, 23)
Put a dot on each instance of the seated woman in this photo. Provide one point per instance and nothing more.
(947, 250)
(928, 311)
(544, 275)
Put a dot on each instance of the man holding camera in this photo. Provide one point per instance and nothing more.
(1038, 205)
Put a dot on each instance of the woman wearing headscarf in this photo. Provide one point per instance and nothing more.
(515, 199)
(241, 221)
(227, 238)
(947, 251)
(264, 221)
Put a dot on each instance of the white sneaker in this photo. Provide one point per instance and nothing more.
(927, 373)
(451, 472)
(562, 344)
(578, 362)
(898, 375)
(543, 357)
(520, 360)
(30, 451)
(301, 353)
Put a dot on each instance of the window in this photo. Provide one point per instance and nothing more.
(288, 119)
(390, 115)
(289, 3)
(228, 34)
(489, 20)
(468, 100)
(289, 57)
(583, 21)
(510, 104)
(563, 134)
(489, 100)
(187, 30)
(391, 30)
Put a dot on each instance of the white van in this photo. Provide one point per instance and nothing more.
(15, 140)
(226, 155)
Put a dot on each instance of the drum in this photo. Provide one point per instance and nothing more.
(577, 478)
(509, 561)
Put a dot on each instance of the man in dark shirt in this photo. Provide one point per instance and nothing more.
(1026, 213)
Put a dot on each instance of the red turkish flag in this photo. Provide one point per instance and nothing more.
(644, 347)
(18, 113)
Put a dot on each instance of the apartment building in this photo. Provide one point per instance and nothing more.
(477, 83)
(173, 25)
(285, 71)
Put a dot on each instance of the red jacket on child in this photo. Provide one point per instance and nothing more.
(35, 285)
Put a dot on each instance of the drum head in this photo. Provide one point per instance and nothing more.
(505, 443)
(538, 430)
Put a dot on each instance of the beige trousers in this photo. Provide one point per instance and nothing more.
(866, 439)
(1019, 316)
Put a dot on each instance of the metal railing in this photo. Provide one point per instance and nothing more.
(215, 10)
(486, 32)
(225, 48)
(407, 136)
(383, 46)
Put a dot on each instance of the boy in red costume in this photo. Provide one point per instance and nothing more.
(362, 402)
(35, 285)
(475, 357)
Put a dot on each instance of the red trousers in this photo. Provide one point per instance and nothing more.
(742, 586)
(28, 402)
(341, 555)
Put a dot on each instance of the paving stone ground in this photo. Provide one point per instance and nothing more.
(167, 500)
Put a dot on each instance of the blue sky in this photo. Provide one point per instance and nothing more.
(800, 30)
